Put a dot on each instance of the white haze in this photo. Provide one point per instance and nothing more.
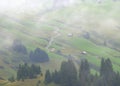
(21, 6)
(16, 8)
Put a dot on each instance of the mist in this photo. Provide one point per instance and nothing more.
(19, 6)
(25, 6)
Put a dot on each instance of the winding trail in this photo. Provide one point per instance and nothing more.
(52, 39)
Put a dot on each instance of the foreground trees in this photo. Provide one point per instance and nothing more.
(84, 73)
(107, 75)
(68, 76)
(28, 72)
(48, 77)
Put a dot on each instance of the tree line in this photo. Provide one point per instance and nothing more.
(28, 72)
(68, 75)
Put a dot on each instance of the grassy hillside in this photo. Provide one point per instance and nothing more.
(60, 32)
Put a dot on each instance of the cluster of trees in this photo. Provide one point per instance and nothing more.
(38, 56)
(19, 47)
(28, 72)
(68, 75)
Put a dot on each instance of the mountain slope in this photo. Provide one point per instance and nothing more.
(64, 32)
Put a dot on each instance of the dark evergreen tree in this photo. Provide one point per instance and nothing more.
(107, 75)
(102, 68)
(48, 77)
(19, 73)
(116, 81)
(68, 74)
(56, 77)
(109, 68)
(38, 56)
(84, 73)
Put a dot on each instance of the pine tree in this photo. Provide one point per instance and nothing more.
(48, 77)
(102, 69)
(84, 73)
(19, 73)
(68, 74)
(107, 75)
(56, 77)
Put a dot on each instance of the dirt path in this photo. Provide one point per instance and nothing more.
(56, 33)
